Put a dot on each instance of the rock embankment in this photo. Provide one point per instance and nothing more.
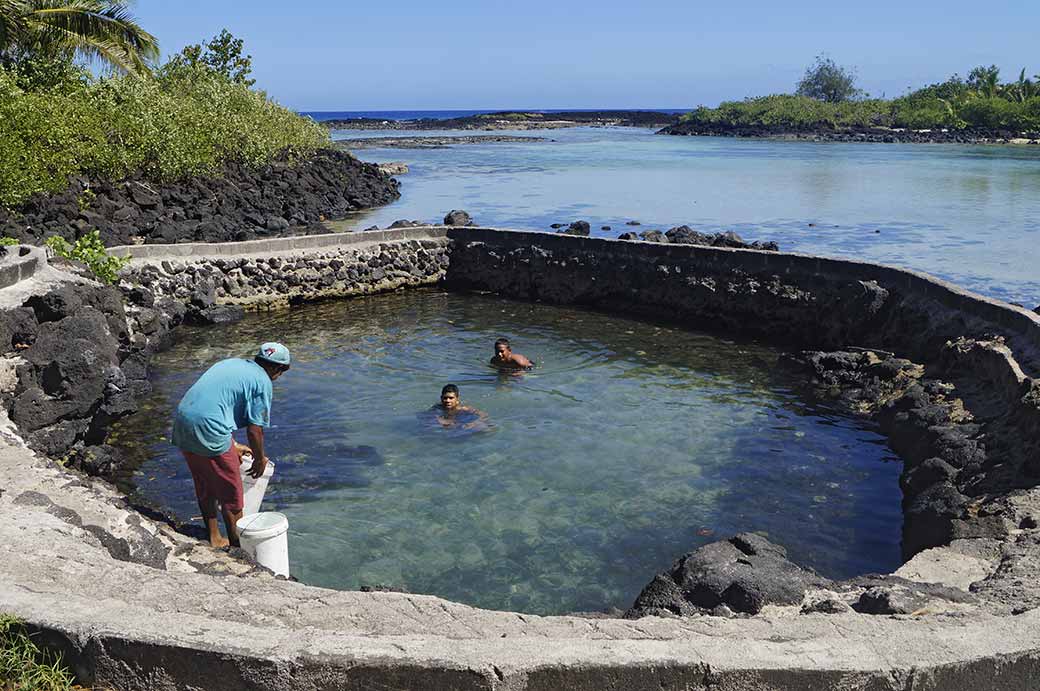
(861, 134)
(244, 203)
(514, 120)
(76, 359)
(433, 142)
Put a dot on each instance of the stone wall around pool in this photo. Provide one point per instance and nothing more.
(73, 568)
(961, 461)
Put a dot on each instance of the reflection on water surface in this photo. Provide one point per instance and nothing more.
(628, 445)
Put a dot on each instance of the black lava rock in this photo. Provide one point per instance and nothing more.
(578, 228)
(653, 236)
(456, 217)
(280, 198)
(743, 574)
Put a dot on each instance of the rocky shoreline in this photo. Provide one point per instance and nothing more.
(432, 142)
(865, 134)
(514, 120)
(245, 203)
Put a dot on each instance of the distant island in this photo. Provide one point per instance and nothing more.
(515, 120)
(828, 106)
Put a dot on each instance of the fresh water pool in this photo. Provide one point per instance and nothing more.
(628, 445)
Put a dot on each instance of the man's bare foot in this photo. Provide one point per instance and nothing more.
(218, 542)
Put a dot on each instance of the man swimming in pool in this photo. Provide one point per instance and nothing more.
(451, 412)
(506, 359)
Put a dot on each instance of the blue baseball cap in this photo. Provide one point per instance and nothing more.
(274, 352)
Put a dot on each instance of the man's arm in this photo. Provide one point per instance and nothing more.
(520, 361)
(255, 434)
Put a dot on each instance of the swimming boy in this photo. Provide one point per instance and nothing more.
(506, 359)
(230, 395)
(451, 411)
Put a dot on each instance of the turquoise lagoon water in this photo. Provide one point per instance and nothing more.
(966, 213)
(630, 444)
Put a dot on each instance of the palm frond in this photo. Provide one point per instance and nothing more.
(97, 29)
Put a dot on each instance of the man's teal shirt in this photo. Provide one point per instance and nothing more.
(228, 396)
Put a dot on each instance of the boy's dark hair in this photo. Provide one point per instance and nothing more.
(502, 341)
(267, 364)
(450, 388)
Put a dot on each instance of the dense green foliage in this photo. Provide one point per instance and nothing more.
(24, 666)
(90, 250)
(186, 120)
(222, 54)
(99, 30)
(826, 81)
(979, 102)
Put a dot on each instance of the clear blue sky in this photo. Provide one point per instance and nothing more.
(424, 54)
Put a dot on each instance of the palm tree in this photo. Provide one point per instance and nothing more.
(99, 30)
(1022, 90)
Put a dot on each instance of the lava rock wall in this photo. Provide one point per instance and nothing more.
(243, 203)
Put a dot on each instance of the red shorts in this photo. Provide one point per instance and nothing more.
(217, 477)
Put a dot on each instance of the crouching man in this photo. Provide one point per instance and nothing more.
(230, 395)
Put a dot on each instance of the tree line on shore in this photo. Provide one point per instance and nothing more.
(827, 98)
(186, 117)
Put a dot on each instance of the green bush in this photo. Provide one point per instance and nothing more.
(185, 122)
(998, 113)
(794, 113)
(90, 250)
(918, 111)
(980, 102)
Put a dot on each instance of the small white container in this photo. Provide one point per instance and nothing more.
(253, 489)
(265, 536)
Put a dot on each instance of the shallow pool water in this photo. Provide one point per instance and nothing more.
(628, 445)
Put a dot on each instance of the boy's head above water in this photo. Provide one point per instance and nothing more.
(450, 397)
(502, 348)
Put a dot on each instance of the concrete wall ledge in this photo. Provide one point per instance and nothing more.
(304, 243)
(132, 627)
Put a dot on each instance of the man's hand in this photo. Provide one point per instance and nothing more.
(258, 467)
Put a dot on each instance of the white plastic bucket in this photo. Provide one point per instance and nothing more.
(264, 536)
(253, 489)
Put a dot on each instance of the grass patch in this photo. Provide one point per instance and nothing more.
(24, 666)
